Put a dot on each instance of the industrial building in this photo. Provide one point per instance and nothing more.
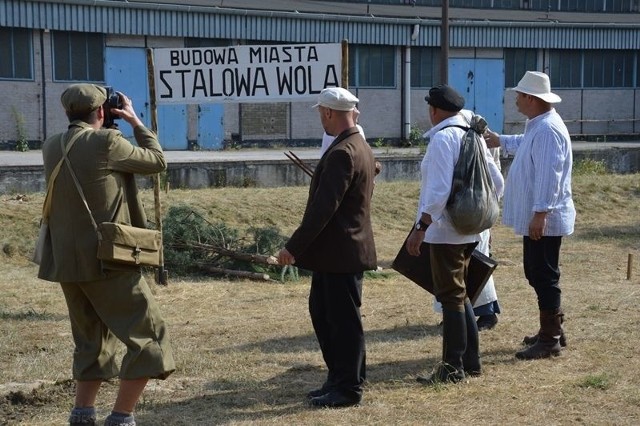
(590, 49)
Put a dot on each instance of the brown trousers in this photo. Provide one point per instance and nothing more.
(449, 263)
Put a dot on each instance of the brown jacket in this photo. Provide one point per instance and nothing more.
(104, 163)
(335, 235)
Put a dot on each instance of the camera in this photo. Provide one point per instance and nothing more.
(113, 101)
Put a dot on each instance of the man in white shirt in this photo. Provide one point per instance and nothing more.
(538, 204)
(450, 250)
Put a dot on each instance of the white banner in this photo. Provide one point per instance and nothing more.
(271, 73)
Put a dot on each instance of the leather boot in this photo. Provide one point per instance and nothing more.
(471, 357)
(454, 343)
(548, 342)
(531, 340)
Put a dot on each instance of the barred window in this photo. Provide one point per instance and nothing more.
(592, 68)
(16, 51)
(425, 66)
(78, 56)
(516, 63)
(372, 66)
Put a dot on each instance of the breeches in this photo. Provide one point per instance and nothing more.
(449, 263)
(118, 307)
(542, 270)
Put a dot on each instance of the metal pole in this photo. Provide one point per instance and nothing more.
(444, 43)
(345, 64)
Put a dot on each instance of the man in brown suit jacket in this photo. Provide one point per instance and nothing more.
(335, 241)
(106, 302)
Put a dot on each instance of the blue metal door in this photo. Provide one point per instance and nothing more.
(210, 126)
(481, 82)
(126, 71)
(172, 127)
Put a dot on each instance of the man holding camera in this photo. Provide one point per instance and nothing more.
(106, 302)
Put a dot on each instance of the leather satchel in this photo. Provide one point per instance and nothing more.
(418, 269)
(128, 244)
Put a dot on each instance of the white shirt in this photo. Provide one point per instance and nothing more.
(437, 175)
(539, 178)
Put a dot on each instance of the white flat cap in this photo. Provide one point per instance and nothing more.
(336, 98)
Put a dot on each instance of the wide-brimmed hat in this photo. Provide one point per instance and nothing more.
(445, 97)
(536, 83)
(336, 98)
(83, 98)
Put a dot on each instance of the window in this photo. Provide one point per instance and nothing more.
(565, 68)
(16, 53)
(592, 68)
(372, 66)
(78, 56)
(425, 66)
(516, 63)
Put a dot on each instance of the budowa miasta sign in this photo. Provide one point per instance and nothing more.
(271, 73)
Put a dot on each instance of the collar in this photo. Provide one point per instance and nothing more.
(458, 119)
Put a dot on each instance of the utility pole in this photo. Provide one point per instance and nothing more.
(444, 43)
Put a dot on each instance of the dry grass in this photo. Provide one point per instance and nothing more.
(246, 352)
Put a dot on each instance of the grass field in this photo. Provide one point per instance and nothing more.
(246, 352)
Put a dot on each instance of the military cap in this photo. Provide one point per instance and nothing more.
(79, 99)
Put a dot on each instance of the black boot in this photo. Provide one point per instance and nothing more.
(548, 342)
(471, 357)
(531, 340)
(454, 343)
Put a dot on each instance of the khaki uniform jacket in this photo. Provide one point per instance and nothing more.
(335, 235)
(104, 163)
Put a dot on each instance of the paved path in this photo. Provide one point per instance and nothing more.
(34, 158)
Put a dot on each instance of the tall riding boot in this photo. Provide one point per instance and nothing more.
(471, 357)
(454, 343)
(531, 340)
(548, 343)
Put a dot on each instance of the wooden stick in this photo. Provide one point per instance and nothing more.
(253, 258)
(629, 266)
(300, 164)
(293, 157)
(161, 272)
(242, 274)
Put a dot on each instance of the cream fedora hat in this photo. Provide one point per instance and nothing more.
(537, 84)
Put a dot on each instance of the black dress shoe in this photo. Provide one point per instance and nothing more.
(335, 400)
(487, 322)
(317, 392)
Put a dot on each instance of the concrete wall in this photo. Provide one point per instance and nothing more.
(276, 173)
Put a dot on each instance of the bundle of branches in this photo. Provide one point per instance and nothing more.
(195, 245)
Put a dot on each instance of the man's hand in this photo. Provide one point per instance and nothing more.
(414, 241)
(537, 225)
(127, 113)
(285, 258)
(492, 139)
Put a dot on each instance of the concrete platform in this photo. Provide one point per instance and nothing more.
(22, 172)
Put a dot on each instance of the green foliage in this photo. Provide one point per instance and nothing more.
(378, 143)
(589, 166)
(415, 136)
(595, 381)
(191, 241)
(22, 144)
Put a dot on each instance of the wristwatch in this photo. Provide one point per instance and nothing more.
(421, 226)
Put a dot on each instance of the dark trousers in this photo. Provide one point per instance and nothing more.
(449, 264)
(542, 270)
(334, 305)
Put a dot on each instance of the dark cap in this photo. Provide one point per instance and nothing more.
(445, 97)
(79, 99)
